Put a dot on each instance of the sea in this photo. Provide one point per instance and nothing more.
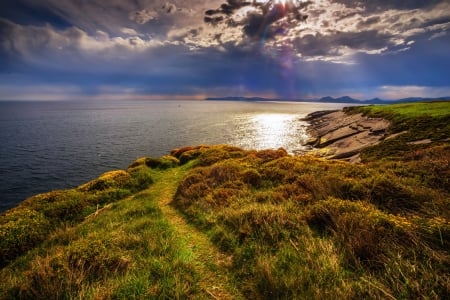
(54, 145)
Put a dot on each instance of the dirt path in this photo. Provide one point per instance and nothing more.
(210, 263)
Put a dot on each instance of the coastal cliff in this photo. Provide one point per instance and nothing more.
(220, 222)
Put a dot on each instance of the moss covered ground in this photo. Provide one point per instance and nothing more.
(220, 222)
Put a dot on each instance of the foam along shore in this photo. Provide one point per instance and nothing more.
(339, 135)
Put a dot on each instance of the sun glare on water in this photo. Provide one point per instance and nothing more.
(273, 130)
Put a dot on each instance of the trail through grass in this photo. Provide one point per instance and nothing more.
(211, 264)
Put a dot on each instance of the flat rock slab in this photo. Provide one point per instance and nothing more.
(336, 134)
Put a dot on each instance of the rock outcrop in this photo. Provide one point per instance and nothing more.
(339, 135)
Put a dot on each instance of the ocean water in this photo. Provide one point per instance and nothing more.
(58, 145)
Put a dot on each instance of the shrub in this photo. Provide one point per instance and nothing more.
(180, 151)
(219, 153)
(115, 183)
(266, 224)
(49, 278)
(189, 155)
(252, 178)
(223, 172)
(269, 154)
(387, 193)
(366, 234)
(58, 206)
(112, 179)
(191, 188)
(138, 162)
(164, 162)
(269, 197)
(432, 165)
(95, 257)
(141, 178)
(21, 230)
(223, 196)
(63, 273)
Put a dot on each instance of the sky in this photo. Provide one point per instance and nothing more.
(192, 49)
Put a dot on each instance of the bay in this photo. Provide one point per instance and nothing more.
(58, 145)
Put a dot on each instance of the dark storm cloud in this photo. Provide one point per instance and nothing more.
(382, 5)
(260, 22)
(328, 45)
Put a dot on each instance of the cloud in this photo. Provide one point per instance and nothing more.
(383, 5)
(174, 46)
(331, 30)
(258, 19)
(143, 16)
(35, 43)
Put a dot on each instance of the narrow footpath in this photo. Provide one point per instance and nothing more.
(211, 264)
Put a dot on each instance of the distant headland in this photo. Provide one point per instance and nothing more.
(329, 99)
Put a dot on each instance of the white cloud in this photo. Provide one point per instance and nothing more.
(33, 43)
(129, 32)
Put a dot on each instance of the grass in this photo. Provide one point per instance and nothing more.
(219, 222)
(412, 122)
(309, 228)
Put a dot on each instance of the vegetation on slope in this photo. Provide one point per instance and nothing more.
(219, 222)
(30, 223)
(411, 122)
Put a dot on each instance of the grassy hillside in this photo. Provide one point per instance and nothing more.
(218, 222)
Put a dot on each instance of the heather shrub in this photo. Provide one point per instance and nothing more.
(65, 271)
(252, 177)
(21, 230)
(58, 206)
(164, 162)
(112, 179)
(187, 156)
(95, 257)
(364, 233)
(269, 154)
(219, 153)
(140, 178)
(223, 172)
(269, 225)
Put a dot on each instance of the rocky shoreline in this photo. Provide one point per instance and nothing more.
(339, 135)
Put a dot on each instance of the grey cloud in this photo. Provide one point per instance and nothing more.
(155, 17)
(143, 16)
(365, 23)
(382, 5)
(169, 8)
(329, 45)
(263, 21)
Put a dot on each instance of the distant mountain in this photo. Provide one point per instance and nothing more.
(240, 99)
(345, 99)
(329, 99)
